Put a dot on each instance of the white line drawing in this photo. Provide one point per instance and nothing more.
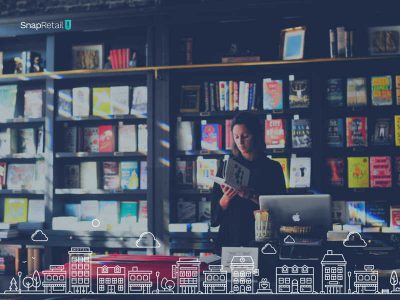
(349, 285)
(147, 240)
(96, 223)
(333, 273)
(186, 271)
(79, 270)
(242, 274)
(215, 280)
(111, 280)
(55, 280)
(139, 281)
(31, 284)
(264, 287)
(39, 236)
(289, 240)
(268, 249)
(294, 280)
(394, 280)
(366, 281)
(354, 239)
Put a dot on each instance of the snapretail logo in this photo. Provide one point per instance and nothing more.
(67, 24)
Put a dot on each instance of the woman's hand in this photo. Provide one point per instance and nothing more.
(248, 193)
(229, 193)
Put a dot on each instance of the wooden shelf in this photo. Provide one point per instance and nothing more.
(99, 192)
(22, 120)
(203, 152)
(102, 118)
(99, 154)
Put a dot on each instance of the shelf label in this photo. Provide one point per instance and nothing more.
(296, 117)
(291, 77)
(269, 117)
(205, 114)
(203, 122)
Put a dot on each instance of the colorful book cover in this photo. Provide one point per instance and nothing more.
(128, 210)
(284, 164)
(381, 90)
(356, 213)
(142, 138)
(186, 211)
(204, 169)
(397, 170)
(3, 172)
(89, 210)
(129, 175)
(106, 138)
(127, 138)
(15, 210)
(358, 172)
(335, 171)
(299, 93)
(143, 213)
(356, 92)
(275, 136)
(335, 133)
(143, 175)
(72, 210)
(185, 174)
(36, 210)
(21, 176)
(119, 100)
(301, 133)
(111, 179)
(33, 104)
(334, 92)
(397, 129)
(272, 94)
(211, 136)
(91, 139)
(8, 100)
(26, 141)
(300, 172)
(228, 135)
(139, 100)
(64, 103)
(381, 171)
(398, 89)
(377, 213)
(356, 131)
(101, 101)
(394, 216)
(81, 101)
(71, 177)
(383, 132)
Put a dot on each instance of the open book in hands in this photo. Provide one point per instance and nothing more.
(236, 175)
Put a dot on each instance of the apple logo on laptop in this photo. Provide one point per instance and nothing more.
(296, 217)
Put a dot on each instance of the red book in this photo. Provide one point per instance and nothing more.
(275, 134)
(356, 131)
(380, 171)
(3, 172)
(119, 57)
(124, 56)
(211, 136)
(128, 56)
(112, 58)
(336, 171)
(228, 135)
(235, 95)
(106, 138)
(397, 170)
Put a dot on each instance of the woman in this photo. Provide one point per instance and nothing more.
(233, 209)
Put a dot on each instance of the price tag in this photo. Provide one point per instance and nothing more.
(296, 117)
(269, 117)
(203, 122)
(291, 77)
(205, 114)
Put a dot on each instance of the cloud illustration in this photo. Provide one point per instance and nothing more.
(289, 240)
(268, 249)
(354, 239)
(147, 240)
(39, 236)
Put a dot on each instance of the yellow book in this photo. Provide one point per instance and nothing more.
(358, 172)
(101, 101)
(397, 130)
(284, 165)
(398, 89)
(231, 100)
(15, 210)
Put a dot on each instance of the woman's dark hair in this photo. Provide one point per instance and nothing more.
(253, 124)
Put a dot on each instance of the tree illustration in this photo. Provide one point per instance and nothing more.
(394, 280)
(13, 285)
(36, 280)
(27, 282)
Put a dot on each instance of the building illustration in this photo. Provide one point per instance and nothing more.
(139, 281)
(366, 281)
(55, 280)
(242, 274)
(111, 280)
(295, 279)
(333, 272)
(187, 275)
(79, 270)
(215, 280)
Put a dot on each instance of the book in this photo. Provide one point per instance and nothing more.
(101, 101)
(381, 90)
(127, 137)
(396, 169)
(106, 138)
(40, 178)
(111, 179)
(358, 172)
(185, 174)
(15, 210)
(128, 211)
(8, 101)
(143, 175)
(377, 213)
(129, 175)
(228, 135)
(397, 129)
(33, 104)
(356, 92)
(299, 93)
(139, 100)
(142, 138)
(381, 171)
(275, 133)
(341, 41)
(70, 139)
(143, 213)
(205, 168)
(21, 176)
(236, 174)
(71, 176)
(211, 136)
(64, 104)
(89, 210)
(109, 212)
(36, 210)
(88, 175)
(8, 141)
(72, 210)
(335, 171)
(186, 211)
(356, 132)
(394, 216)
(334, 92)
(40, 140)
(398, 89)
(3, 172)
(339, 210)
(335, 133)
(272, 94)
(284, 164)
(383, 132)
(184, 136)
(80, 101)
(301, 133)
(356, 213)
(91, 139)
(300, 172)
(204, 210)
(26, 141)
(119, 100)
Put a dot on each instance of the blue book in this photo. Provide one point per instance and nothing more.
(334, 92)
(336, 133)
(73, 210)
(129, 175)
